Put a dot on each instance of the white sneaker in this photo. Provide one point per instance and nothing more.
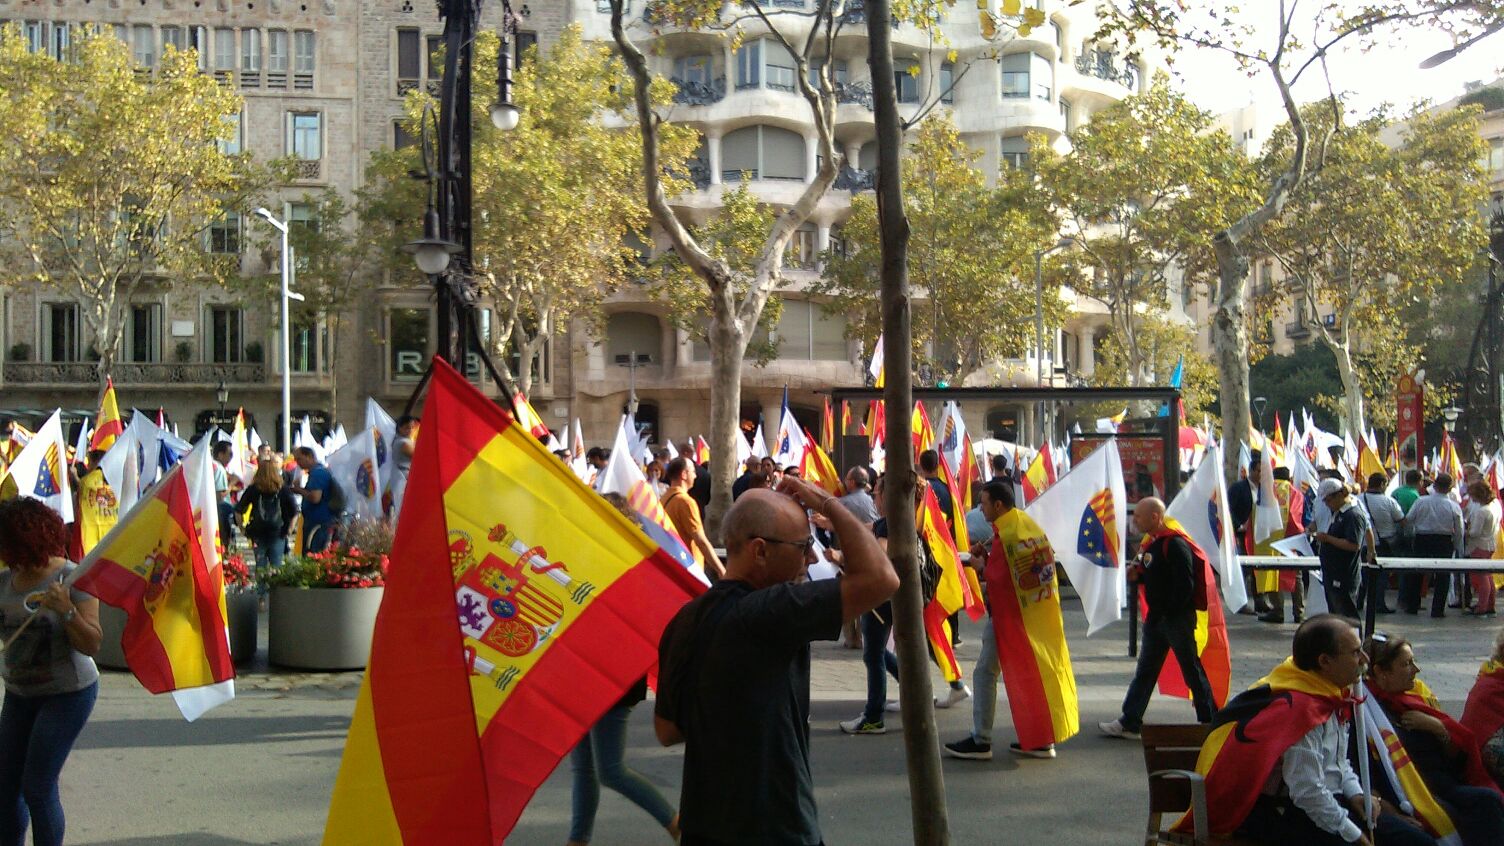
(892, 706)
(859, 725)
(952, 696)
(1115, 729)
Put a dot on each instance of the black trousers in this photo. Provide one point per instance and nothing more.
(1277, 822)
(1428, 546)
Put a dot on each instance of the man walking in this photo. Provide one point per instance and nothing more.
(1437, 521)
(734, 667)
(685, 514)
(1023, 639)
(1171, 570)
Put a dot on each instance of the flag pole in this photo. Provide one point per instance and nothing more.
(6, 645)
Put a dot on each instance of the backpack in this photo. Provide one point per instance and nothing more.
(336, 497)
(266, 519)
(929, 574)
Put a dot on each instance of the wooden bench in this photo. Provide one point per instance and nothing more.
(1170, 753)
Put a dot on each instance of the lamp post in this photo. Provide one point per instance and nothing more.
(445, 252)
(1449, 417)
(1451, 52)
(631, 366)
(1039, 255)
(1258, 410)
(287, 294)
(222, 394)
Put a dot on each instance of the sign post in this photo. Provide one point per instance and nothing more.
(1409, 397)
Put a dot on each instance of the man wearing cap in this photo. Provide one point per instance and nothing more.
(1339, 547)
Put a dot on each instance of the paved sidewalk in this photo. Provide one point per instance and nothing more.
(260, 770)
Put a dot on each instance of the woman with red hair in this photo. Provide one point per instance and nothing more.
(48, 630)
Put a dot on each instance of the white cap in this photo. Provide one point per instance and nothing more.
(1329, 487)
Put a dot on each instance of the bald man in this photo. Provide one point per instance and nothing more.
(734, 666)
(1166, 569)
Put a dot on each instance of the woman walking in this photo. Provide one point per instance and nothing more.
(49, 632)
(1482, 521)
(271, 510)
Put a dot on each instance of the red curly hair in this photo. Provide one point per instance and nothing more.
(31, 534)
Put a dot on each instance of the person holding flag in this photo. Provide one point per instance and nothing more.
(1172, 571)
(49, 631)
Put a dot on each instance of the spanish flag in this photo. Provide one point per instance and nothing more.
(528, 419)
(1250, 735)
(1040, 475)
(924, 433)
(1368, 461)
(159, 566)
(953, 592)
(107, 425)
(521, 608)
(1211, 625)
(817, 467)
(1291, 506)
(827, 427)
(846, 418)
(1026, 622)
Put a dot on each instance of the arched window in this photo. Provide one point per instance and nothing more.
(762, 152)
(630, 333)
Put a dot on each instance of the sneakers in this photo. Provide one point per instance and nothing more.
(1271, 617)
(1041, 752)
(969, 749)
(859, 725)
(952, 696)
(892, 706)
(1115, 729)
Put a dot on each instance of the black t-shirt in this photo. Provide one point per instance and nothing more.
(1169, 578)
(1340, 566)
(734, 677)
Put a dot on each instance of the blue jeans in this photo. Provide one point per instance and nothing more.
(1161, 637)
(269, 554)
(984, 687)
(36, 735)
(877, 657)
(597, 760)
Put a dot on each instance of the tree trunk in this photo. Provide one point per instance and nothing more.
(728, 349)
(920, 735)
(1352, 391)
(1230, 343)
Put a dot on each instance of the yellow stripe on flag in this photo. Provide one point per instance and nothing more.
(362, 772)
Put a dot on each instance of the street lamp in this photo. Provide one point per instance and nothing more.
(1451, 52)
(222, 394)
(447, 231)
(631, 366)
(1449, 417)
(1039, 255)
(1258, 410)
(287, 294)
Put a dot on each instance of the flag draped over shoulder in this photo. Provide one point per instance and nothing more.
(107, 425)
(1211, 626)
(159, 565)
(1395, 765)
(1484, 713)
(1250, 734)
(520, 608)
(1030, 635)
(1085, 516)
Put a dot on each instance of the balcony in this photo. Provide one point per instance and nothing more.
(855, 179)
(1103, 64)
(86, 373)
(1297, 329)
(308, 169)
(854, 93)
(856, 14)
(693, 92)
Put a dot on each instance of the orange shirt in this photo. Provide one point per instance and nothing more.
(685, 514)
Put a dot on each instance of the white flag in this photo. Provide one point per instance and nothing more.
(386, 436)
(759, 446)
(41, 470)
(1201, 508)
(198, 472)
(1266, 517)
(1085, 515)
(304, 438)
(354, 468)
(121, 466)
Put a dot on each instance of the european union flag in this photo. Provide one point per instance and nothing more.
(1214, 519)
(1092, 541)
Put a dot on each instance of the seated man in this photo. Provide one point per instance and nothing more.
(1276, 762)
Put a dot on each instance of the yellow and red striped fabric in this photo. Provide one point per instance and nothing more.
(1040, 475)
(924, 433)
(1211, 626)
(107, 425)
(528, 419)
(827, 427)
(952, 593)
(817, 467)
(520, 606)
(152, 566)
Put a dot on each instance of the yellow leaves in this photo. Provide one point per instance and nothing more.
(1012, 7)
(914, 70)
(989, 26)
(952, 56)
(1032, 18)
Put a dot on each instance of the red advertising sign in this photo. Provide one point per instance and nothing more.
(1410, 424)
(1143, 462)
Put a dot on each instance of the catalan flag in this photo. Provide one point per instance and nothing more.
(107, 425)
(159, 565)
(39, 470)
(524, 607)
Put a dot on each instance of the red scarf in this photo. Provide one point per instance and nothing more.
(1484, 714)
(1199, 561)
(1463, 739)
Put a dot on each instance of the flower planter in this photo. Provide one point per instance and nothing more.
(321, 628)
(242, 610)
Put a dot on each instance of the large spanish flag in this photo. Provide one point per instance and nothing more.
(953, 592)
(107, 425)
(1211, 625)
(1031, 648)
(156, 566)
(1291, 505)
(520, 607)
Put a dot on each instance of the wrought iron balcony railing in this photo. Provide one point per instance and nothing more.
(133, 373)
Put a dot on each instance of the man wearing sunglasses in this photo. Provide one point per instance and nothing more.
(733, 681)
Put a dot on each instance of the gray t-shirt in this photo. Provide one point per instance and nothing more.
(41, 661)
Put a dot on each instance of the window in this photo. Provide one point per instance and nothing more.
(172, 36)
(36, 36)
(435, 57)
(766, 63)
(1015, 152)
(407, 331)
(1043, 72)
(838, 71)
(1028, 75)
(947, 79)
(630, 333)
(801, 251)
(250, 51)
(304, 343)
(304, 135)
(1495, 155)
(224, 234)
(906, 80)
(805, 333)
(61, 45)
(409, 59)
(276, 51)
(225, 338)
(230, 143)
(1065, 114)
(224, 51)
(198, 41)
(764, 152)
(692, 70)
(123, 33)
(144, 46)
(144, 333)
(60, 331)
(303, 51)
(401, 138)
(524, 41)
(779, 68)
(749, 65)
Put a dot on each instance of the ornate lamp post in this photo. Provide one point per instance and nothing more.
(222, 394)
(445, 252)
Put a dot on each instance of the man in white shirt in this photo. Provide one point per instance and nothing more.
(1437, 521)
(1386, 518)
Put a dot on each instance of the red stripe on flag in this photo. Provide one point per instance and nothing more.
(934, 627)
(1020, 668)
(568, 691)
(145, 655)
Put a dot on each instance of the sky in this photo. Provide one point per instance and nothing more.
(1390, 74)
